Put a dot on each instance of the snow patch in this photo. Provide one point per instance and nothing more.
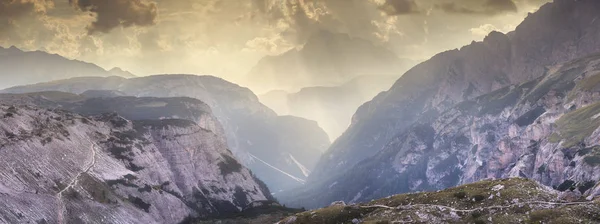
(333, 184)
(281, 171)
(596, 116)
(358, 196)
(302, 168)
(498, 187)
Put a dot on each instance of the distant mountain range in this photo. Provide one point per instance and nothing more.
(327, 59)
(22, 67)
(332, 107)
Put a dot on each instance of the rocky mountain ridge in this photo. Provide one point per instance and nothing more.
(546, 129)
(276, 148)
(414, 138)
(542, 39)
(67, 168)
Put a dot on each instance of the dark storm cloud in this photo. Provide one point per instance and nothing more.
(13, 10)
(489, 7)
(499, 6)
(399, 7)
(114, 13)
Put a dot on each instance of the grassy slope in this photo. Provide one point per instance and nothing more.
(519, 201)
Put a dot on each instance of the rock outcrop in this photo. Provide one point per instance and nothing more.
(62, 167)
(255, 134)
(486, 110)
(547, 129)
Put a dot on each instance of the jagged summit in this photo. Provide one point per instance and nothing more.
(116, 71)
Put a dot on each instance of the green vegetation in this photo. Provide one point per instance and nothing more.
(567, 185)
(577, 125)
(514, 200)
(560, 81)
(99, 191)
(141, 125)
(264, 214)
(541, 169)
(554, 138)
(587, 84)
(138, 202)
(568, 214)
(125, 181)
(529, 117)
(497, 101)
(593, 160)
(12, 110)
(583, 187)
(229, 165)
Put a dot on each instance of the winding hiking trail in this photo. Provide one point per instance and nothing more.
(442, 207)
(74, 182)
(403, 208)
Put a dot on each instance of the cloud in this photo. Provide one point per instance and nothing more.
(111, 14)
(399, 7)
(483, 30)
(500, 6)
(11, 11)
(489, 7)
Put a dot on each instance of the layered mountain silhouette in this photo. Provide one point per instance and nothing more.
(23, 67)
(331, 106)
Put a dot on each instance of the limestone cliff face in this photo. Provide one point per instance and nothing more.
(403, 134)
(253, 131)
(62, 167)
(547, 129)
(430, 88)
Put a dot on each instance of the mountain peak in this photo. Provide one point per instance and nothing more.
(116, 71)
(28, 67)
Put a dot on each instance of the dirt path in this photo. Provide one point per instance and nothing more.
(73, 182)
(443, 207)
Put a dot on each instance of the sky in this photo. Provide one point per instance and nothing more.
(226, 38)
